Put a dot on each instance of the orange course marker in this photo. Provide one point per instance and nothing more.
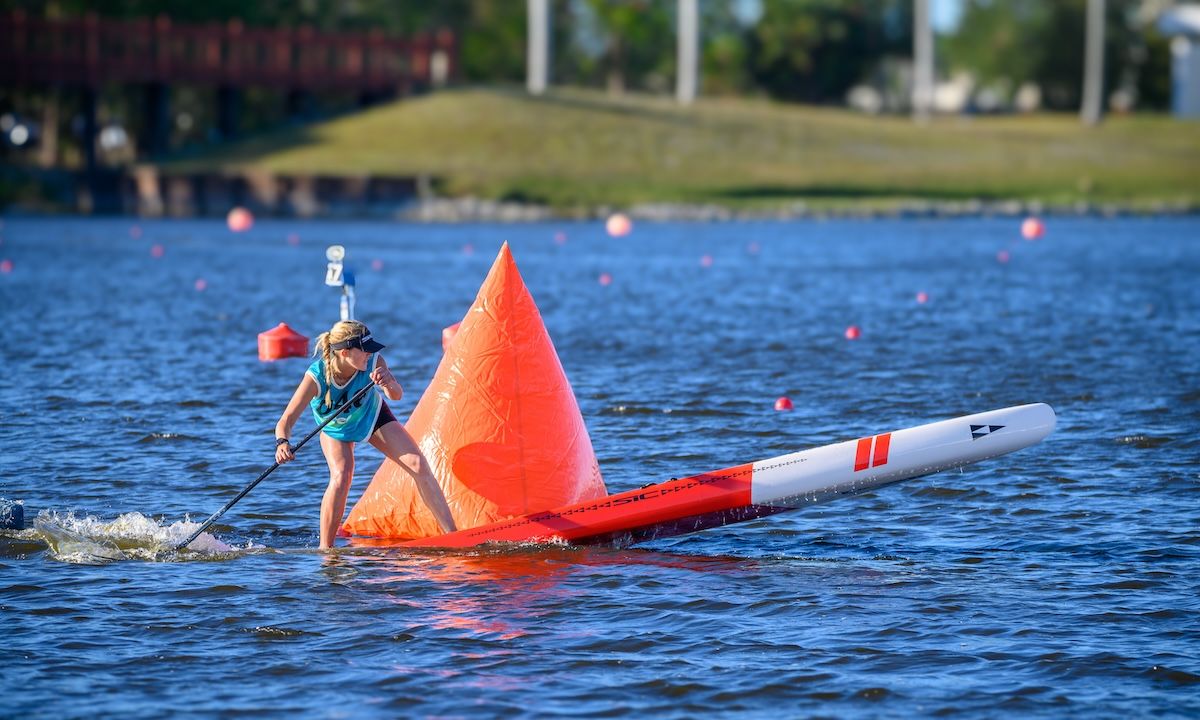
(499, 425)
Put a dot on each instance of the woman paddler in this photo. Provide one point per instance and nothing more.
(348, 360)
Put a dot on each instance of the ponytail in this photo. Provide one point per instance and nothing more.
(339, 332)
(322, 349)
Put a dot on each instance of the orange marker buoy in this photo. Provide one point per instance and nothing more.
(157, 251)
(784, 403)
(853, 332)
(605, 279)
(499, 425)
(281, 342)
(448, 334)
(706, 261)
(1032, 229)
(376, 264)
(201, 285)
(239, 219)
(6, 266)
(560, 238)
(1002, 257)
(922, 297)
(618, 225)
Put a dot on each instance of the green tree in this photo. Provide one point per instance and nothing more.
(816, 50)
(639, 41)
(1042, 42)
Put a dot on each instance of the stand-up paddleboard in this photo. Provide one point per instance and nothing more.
(754, 490)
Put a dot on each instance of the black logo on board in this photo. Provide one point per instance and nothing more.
(978, 431)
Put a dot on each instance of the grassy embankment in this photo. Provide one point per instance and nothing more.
(583, 149)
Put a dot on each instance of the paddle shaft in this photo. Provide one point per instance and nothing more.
(213, 518)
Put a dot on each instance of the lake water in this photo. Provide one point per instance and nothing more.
(1060, 581)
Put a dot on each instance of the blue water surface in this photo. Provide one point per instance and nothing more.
(1060, 581)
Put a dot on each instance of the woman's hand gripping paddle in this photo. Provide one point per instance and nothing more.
(212, 518)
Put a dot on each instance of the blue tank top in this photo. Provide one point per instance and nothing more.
(356, 423)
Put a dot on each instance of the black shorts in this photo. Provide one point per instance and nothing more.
(385, 417)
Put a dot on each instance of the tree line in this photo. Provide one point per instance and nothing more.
(812, 51)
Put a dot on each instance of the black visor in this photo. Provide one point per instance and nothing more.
(363, 342)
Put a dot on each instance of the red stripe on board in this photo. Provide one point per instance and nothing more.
(654, 509)
(863, 458)
(881, 449)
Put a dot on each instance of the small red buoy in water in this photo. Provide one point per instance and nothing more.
(560, 238)
(853, 332)
(157, 251)
(468, 249)
(6, 266)
(1002, 256)
(605, 279)
(1032, 229)
(618, 225)
(448, 334)
(281, 342)
(239, 219)
(706, 261)
(783, 403)
(922, 297)
(376, 264)
(201, 285)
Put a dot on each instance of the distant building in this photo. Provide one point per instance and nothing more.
(1182, 24)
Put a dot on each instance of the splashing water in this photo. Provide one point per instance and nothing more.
(90, 540)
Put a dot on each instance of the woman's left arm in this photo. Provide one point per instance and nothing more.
(383, 377)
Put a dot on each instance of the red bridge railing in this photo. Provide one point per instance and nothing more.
(91, 50)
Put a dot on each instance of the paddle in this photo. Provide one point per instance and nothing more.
(212, 518)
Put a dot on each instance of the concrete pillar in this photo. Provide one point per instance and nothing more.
(147, 186)
(537, 57)
(688, 61)
(48, 149)
(923, 79)
(1093, 65)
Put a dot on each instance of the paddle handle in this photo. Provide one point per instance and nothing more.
(213, 518)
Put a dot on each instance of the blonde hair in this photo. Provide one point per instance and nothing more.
(342, 330)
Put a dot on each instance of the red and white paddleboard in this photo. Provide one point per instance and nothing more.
(749, 491)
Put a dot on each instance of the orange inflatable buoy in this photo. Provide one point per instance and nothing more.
(499, 425)
(280, 342)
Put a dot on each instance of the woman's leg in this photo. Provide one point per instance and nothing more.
(340, 456)
(395, 442)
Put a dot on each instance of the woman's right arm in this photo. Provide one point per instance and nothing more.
(305, 392)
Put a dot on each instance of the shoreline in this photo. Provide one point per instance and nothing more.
(145, 191)
(459, 210)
